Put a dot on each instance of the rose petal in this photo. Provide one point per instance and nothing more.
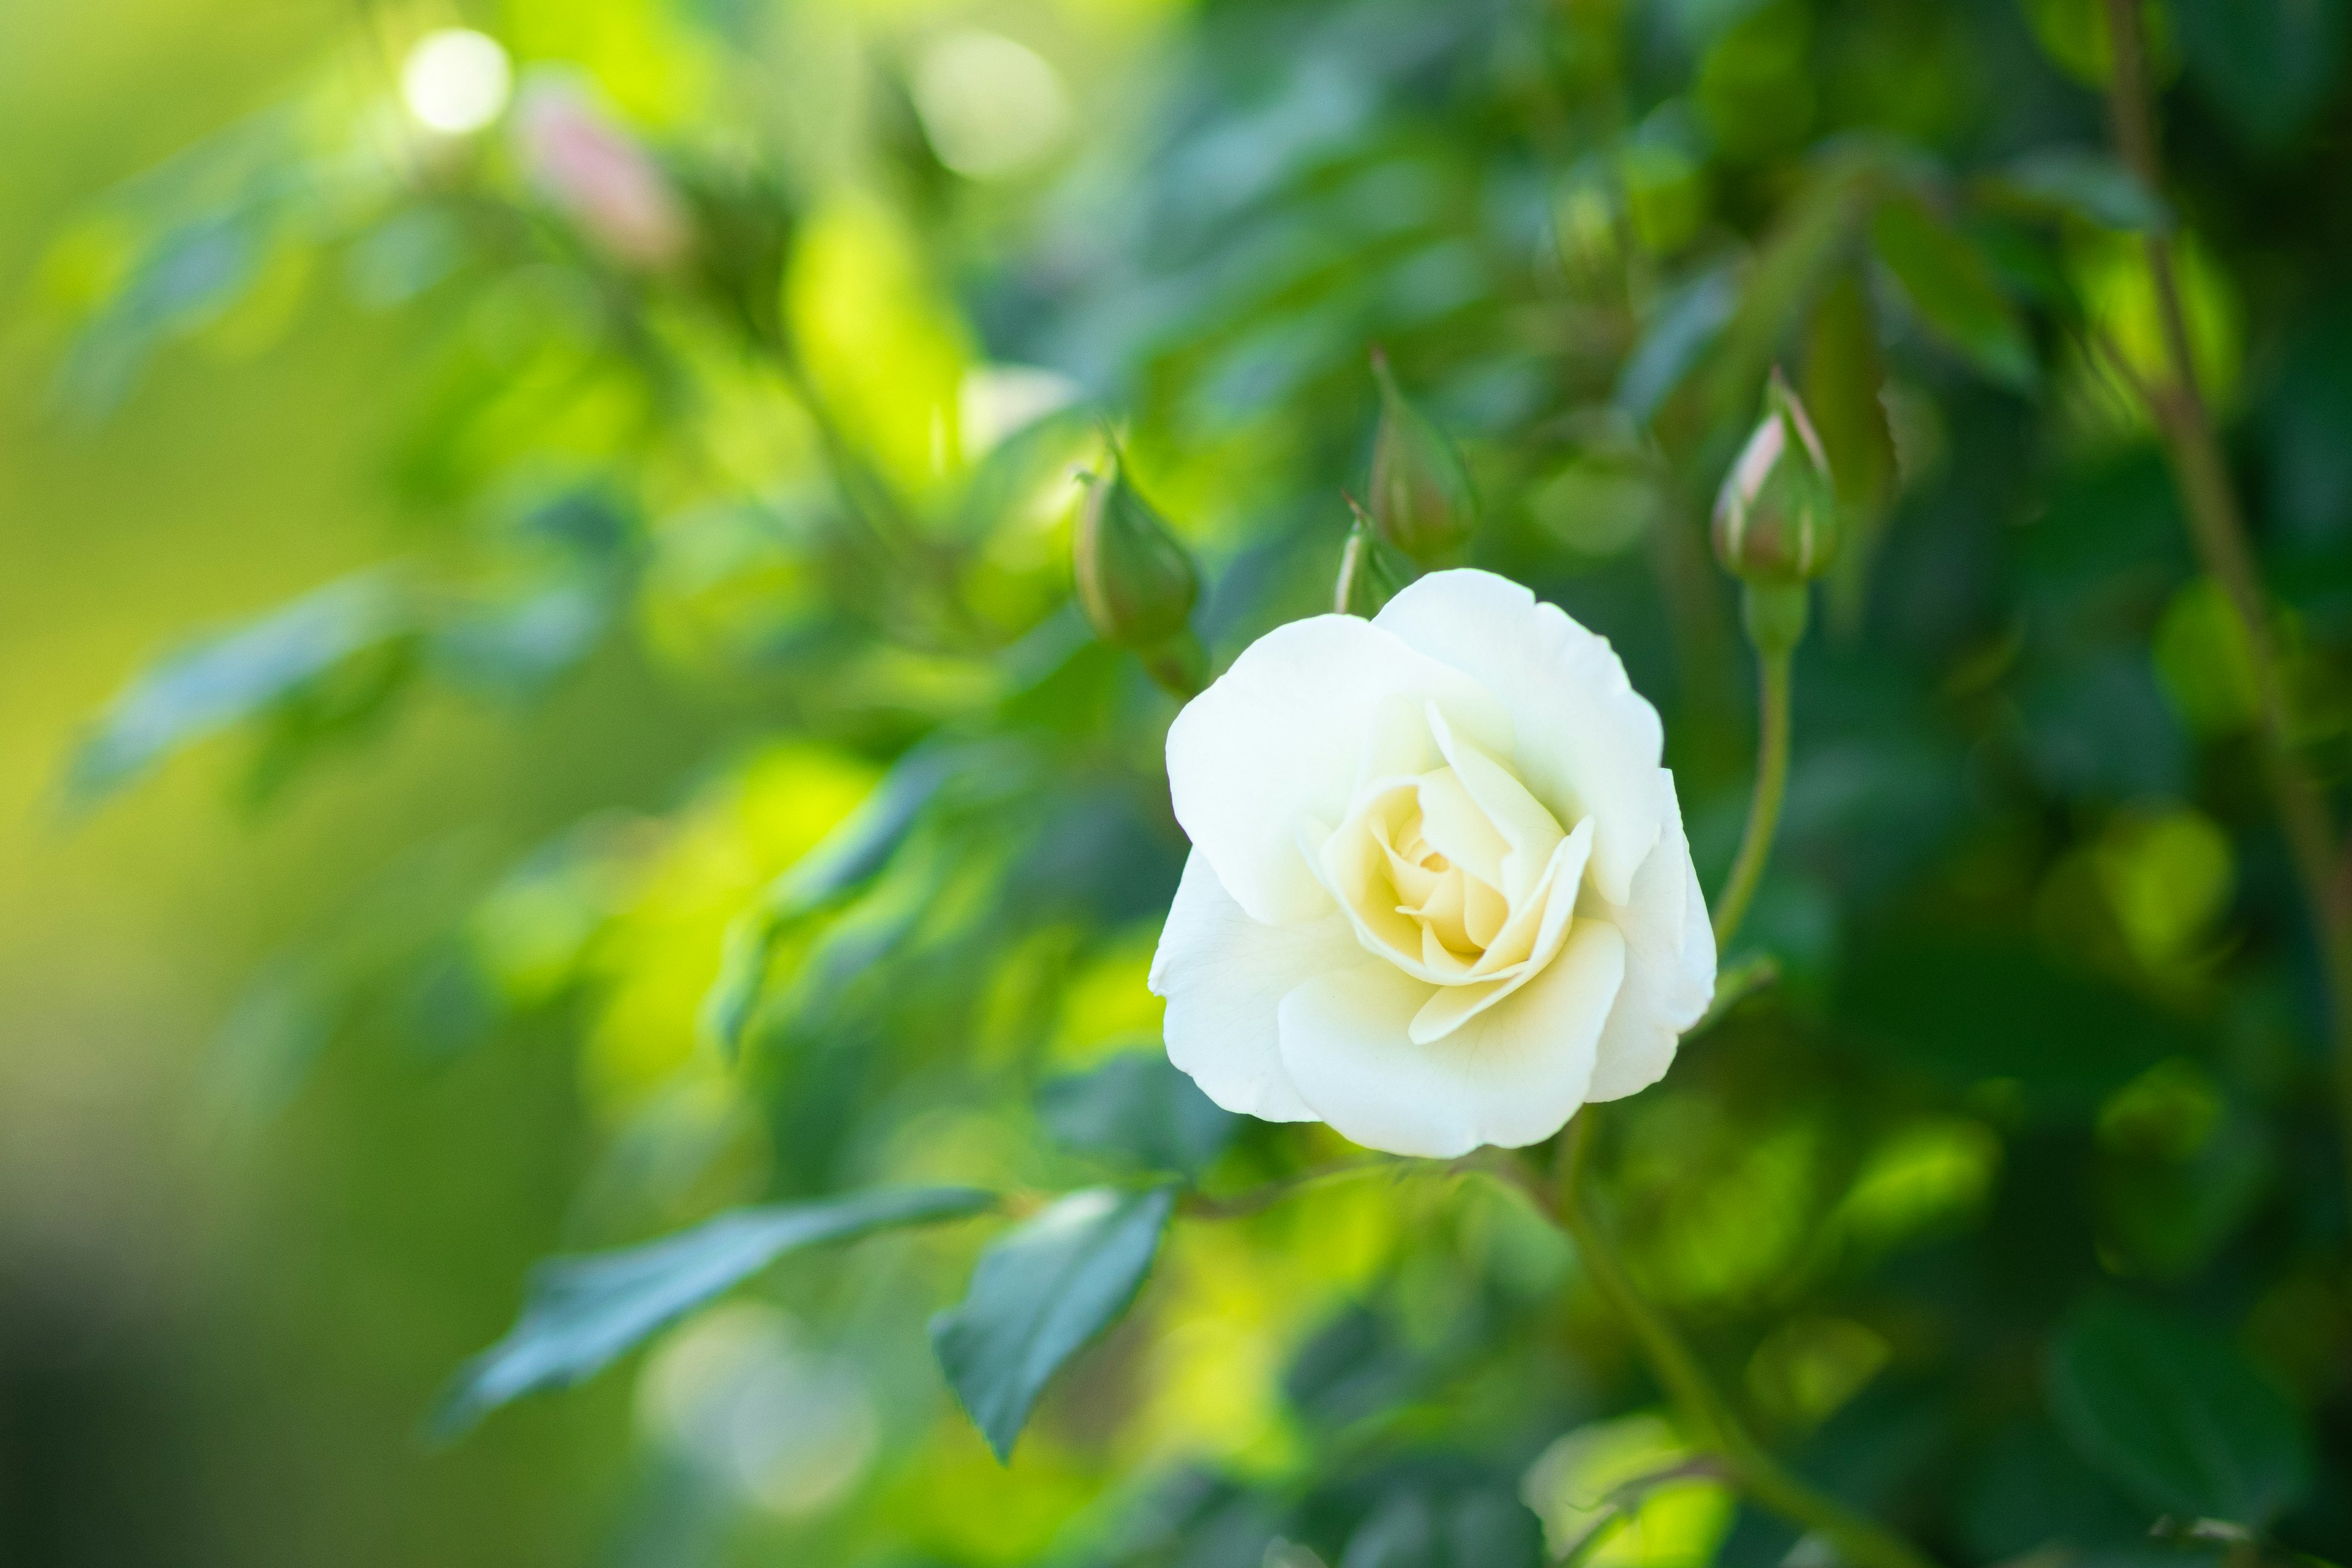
(1669, 962)
(1587, 744)
(1511, 1076)
(1280, 737)
(1529, 832)
(1224, 976)
(1541, 925)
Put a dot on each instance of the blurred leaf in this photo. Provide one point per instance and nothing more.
(525, 642)
(2029, 1491)
(1039, 1295)
(1141, 1110)
(2175, 1414)
(2072, 181)
(233, 677)
(1974, 1011)
(2268, 65)
(1842, 385)
(851, 854)
(1674, 336)
(1948, 282)
(582, 1311)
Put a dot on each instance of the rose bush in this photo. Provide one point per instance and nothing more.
(1439, 894)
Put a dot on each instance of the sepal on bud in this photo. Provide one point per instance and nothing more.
(1134, 579)
(1422, 500)
(1369, 577)
(1776, 518)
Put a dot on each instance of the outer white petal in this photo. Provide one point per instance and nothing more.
(1511, 1076)
(1669, 962)
(1587, 743)
(1281, 737)
(1224, 976)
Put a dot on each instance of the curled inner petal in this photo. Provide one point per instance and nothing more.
(1455, 875)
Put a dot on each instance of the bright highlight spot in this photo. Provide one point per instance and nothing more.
(989, 105)
(456, 80)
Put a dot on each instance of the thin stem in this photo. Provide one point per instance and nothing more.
(1764, 809)
(1714, 1426)
(2217, 524)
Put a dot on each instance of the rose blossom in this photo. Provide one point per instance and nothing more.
(1439, 892)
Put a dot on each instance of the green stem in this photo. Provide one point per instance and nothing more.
(1714, 1426)
(2217, 525)
(1764, 809)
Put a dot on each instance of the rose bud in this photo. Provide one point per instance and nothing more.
(1421, 500)
(602, 178)
(1134, 580)
(1368, 577)
(1776, 518)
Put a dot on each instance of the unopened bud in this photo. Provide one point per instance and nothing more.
(1134, 580)
(1369, 577)
(1422, 500)
(602, 178)
(1776, 520)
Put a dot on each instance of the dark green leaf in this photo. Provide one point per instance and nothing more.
(2267, 65)
(583, 1311)
(2176, 1415)
(1969, 1012)
(1140, 1109)
(1038, 1296)
(1948, 282)
(233, 677)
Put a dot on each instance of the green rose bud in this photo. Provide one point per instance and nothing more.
(1134, 580)
(1776, 518)
(1369, 576)
(1421, 500)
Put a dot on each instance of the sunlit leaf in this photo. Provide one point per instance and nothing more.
(1039, 1295)
(2176, 1415)
(583, 1311)
(234, 676)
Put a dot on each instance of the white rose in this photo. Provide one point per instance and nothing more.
(1439, 893)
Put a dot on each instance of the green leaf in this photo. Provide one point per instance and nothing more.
(1039, 1295)
(2268, 65)
(233, 677)
(1675, 337)
(1951, 286)
(2072, 181)
(1141, 1110)
(580, 1312)
(2176, 1415)
(852, 852)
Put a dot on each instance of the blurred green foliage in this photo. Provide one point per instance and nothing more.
(595, 493)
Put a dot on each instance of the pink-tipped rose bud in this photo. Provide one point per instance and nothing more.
(602, 178)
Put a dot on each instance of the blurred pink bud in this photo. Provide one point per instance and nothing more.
(602, 178)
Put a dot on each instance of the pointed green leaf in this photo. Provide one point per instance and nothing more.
(583, 1311)
(1039, 1295)
(854, 851)
(2176, 1415)
(1951, 286)
(233, 677)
